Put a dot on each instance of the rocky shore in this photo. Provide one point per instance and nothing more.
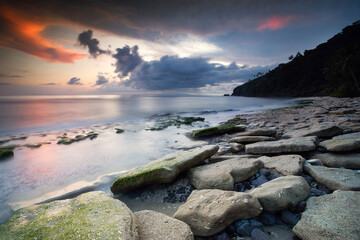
(295, 169)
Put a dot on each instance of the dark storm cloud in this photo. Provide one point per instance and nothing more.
(4, 75)
(172, 72)
(85, 39)
(127, 59)
(101, 81)
(74, 81)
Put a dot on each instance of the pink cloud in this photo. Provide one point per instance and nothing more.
(275, 22)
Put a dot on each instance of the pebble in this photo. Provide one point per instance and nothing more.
(244, 227)
(260, 180)
(257, 234)
(289, 217)
(267, 218)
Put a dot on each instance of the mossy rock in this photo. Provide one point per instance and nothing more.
(119, 130)
(93, 215)
(177, 121)
(33, 145)
(208, 132)
(65, 140)
(163, 170)
(6, 153)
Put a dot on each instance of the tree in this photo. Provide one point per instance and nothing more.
(291, 57)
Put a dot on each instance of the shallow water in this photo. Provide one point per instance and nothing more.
(55, 171)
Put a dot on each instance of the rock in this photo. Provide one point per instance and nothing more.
(257, 234)
(265, 172)
(5, 153)
(230, 149)
(324, 130)
(259, 132)
(314, 162)
(223, 175)
(302, 144)
(251, 139)
(284, 164)
(119, 130)
(342, 143)
(267, 218)
(163, 170)
(245, 227)
(260, 180)
(281, 193)
(153, 226)
(221, 236)
(208, 212)
(333, 216)
(215, 159)
(208, 132)
(289, 217)
(335, 178)
(347, 160)
(92, 215)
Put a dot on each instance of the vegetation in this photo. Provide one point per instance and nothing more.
(66, 140)
(177, 121)
(332, 68)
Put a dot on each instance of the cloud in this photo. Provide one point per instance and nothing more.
(275, 22)
(101, 81)
(74, 81)
(172, 72)
(85, 39)
(24, 35)
(50, 84)
(4, 75)
(127, 59)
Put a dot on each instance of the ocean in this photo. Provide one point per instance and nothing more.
(55, 171)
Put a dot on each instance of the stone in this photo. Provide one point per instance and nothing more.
(215, 159)
(92, 215)
(333, 216)
(223, 175)
(258, 132)
(347, 160)
(250, 139)
(258, 181)
(289, 217)
(342, 143)
(324, 130)
(6, 153)
(267, 218)
(291, 145)
(245, 227)
(281, 193)
(213, 131)
(208, 212)
(163, 170)
(284, 164)
(153, 226)
(257, 234)
(335, 178)
(230, 149)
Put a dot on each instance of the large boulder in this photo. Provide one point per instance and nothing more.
(291, 145)
(213, 131)
(154, 226)
(250, 139)
(335, 178)
(208, 212)
(321, 131)
(93, 215)
(163, 170)
(284, 164)
(342, 143)
(281, 193)
(332, 216)
(223, 175)
(347, 160)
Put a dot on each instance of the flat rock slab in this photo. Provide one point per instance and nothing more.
(291, 145)
(163, 170)
(223, 175)
(347, 160)
(342, 143)
(258, 132)
(332, 216)
(251, 139)
(215, 159)
(321, 131)
(154, 226)
(335, 178)
(208, 212)
(281, 193)
(213, 131)
(93, 215)
(284, 164)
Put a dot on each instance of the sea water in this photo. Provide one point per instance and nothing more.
(55, 171)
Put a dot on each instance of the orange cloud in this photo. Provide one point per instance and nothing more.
(275, 22)
(25, 35)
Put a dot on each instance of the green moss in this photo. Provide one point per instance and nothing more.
(177, 121)
(65, 140)
(6, 153)
(33, 145)
(119, 130)
(207, 132)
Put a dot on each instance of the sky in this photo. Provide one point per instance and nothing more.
(141, 46)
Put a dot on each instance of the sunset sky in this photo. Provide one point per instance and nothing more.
(196, 47)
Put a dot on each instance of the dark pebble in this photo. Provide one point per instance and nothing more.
(257, 234)
(279, 221)
(265, 172)
(221, 236)
(239, 187)
(300, 207)
(323, 189)
(247, 185)
(308, 178)
(252, 178)
(316, 192)
(267, 218)
(260, 180)
(244, 227)
(290, 218)
(181, 191)
(273, 176)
